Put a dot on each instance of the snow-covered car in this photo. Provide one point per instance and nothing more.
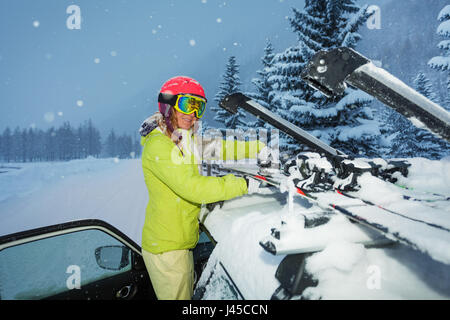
(86, 259)
(239, 268)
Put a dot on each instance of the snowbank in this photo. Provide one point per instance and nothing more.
(22, 179)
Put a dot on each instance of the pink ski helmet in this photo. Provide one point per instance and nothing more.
(174, 86)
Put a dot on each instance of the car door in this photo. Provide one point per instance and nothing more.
(87, 259)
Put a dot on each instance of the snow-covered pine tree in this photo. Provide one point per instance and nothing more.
(287, 94)
(263, 88)
(7, 145)
(137, 148)
(423, 85)
(230, 84)
(442, 62)
(111, 144)
(347, 122)
(66, 142)
(124, 146)
(411, 141)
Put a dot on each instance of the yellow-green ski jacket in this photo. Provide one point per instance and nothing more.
(177, 189)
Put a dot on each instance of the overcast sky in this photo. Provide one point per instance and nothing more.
(110, 69)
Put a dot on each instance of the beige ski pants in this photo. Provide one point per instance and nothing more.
(171, 274)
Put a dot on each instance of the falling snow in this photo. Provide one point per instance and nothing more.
(49, 117)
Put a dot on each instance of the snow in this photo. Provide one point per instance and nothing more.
(428, 175)
(372, 274)
(370, 128)
(353, 97)
(295, 238)
(40, 194)
(440, 62)
(444, 13)
(345, 270)
(444, 45)
(237, 229)
(444, 29)
(49, 117)
(311, 109)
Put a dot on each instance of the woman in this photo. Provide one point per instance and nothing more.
(171, 162)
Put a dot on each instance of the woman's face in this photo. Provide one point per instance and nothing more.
(185, 121)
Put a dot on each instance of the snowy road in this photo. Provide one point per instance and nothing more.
(43, 194)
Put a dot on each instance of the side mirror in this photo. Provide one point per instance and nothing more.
(112, 257)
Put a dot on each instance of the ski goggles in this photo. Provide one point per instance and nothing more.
(189, 104)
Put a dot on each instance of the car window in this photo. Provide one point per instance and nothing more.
(49, 266)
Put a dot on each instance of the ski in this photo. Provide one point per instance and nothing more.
(318, 178)
(395, 226)
(314, 231)
(311, 164)
(427, 200)
(331, 71)
(423, 237)
(428, 196)
(275, 183)
(431, 224)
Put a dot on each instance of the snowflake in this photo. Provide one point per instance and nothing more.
(49, 117)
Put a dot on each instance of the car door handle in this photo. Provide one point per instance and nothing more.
(124, 292)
